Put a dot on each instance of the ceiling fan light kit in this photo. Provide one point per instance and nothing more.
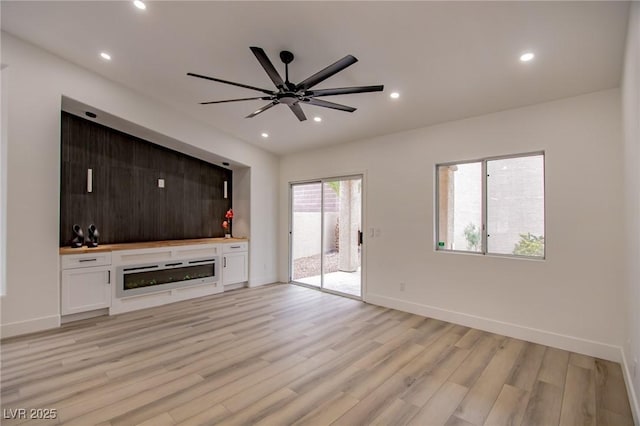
(291, 94)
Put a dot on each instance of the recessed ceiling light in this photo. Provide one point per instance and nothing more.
(140, 4)
(394, 95)
(265, 135)
(317, 119)
(105, 56)
(526, 57)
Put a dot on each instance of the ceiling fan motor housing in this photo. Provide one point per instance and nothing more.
(288, 98)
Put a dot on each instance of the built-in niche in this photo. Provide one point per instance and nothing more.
(137, 191)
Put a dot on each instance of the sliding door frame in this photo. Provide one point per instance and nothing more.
(322, 181)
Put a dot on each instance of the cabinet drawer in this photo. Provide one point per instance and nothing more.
(85, 260)
(235, 247)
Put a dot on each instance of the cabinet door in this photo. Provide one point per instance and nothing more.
(85, 289)
(234, 268)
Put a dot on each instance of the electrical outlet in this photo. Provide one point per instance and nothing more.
(160, 183)
(402, 286)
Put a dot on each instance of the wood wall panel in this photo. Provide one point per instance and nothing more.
(126, 204)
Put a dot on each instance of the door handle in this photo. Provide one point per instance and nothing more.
(360, 238)
(225, 262)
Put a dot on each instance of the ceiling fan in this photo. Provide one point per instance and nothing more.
(291, 94)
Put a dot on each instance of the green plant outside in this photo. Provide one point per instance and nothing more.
(473, 237)
(529, 245)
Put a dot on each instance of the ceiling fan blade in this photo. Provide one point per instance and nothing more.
(327, 72)
(234, 100)
(261, 110)
(344, 91)
(268, 66)
(321, 103)
(268, 92)
(297, 110)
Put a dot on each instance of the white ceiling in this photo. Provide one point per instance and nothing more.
(448, 60)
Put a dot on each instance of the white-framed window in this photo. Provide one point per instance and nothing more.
(492, 206)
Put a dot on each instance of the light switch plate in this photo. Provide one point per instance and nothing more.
(160, 183)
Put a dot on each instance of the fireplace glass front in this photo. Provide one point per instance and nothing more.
(140, 279)
(164, 276)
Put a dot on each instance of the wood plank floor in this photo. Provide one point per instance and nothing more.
(283, 354)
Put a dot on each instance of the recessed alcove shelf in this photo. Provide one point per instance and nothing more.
(149, 244)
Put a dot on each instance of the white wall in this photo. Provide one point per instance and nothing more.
(631, 120)
(571, 300)
(38, 81)
(3, 176)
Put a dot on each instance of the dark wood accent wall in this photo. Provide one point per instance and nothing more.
(126, 204)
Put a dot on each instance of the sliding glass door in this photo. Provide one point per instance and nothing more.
(306, 243)
(326, 226)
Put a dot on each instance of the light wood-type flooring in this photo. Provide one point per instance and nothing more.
(283, 354)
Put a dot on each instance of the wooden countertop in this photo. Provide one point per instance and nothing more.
(149, 244)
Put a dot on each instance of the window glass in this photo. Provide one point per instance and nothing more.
(460, 207)
(515, 206)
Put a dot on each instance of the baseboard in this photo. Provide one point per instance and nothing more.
(235, 286)
(84, 315)
(30, 326)
(633, 397)
(262, 281)
(543, 337)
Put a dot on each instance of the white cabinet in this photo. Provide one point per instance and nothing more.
(85, 287)
(234, 268)
(235, 263)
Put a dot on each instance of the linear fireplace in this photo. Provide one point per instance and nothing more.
(133, 280)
